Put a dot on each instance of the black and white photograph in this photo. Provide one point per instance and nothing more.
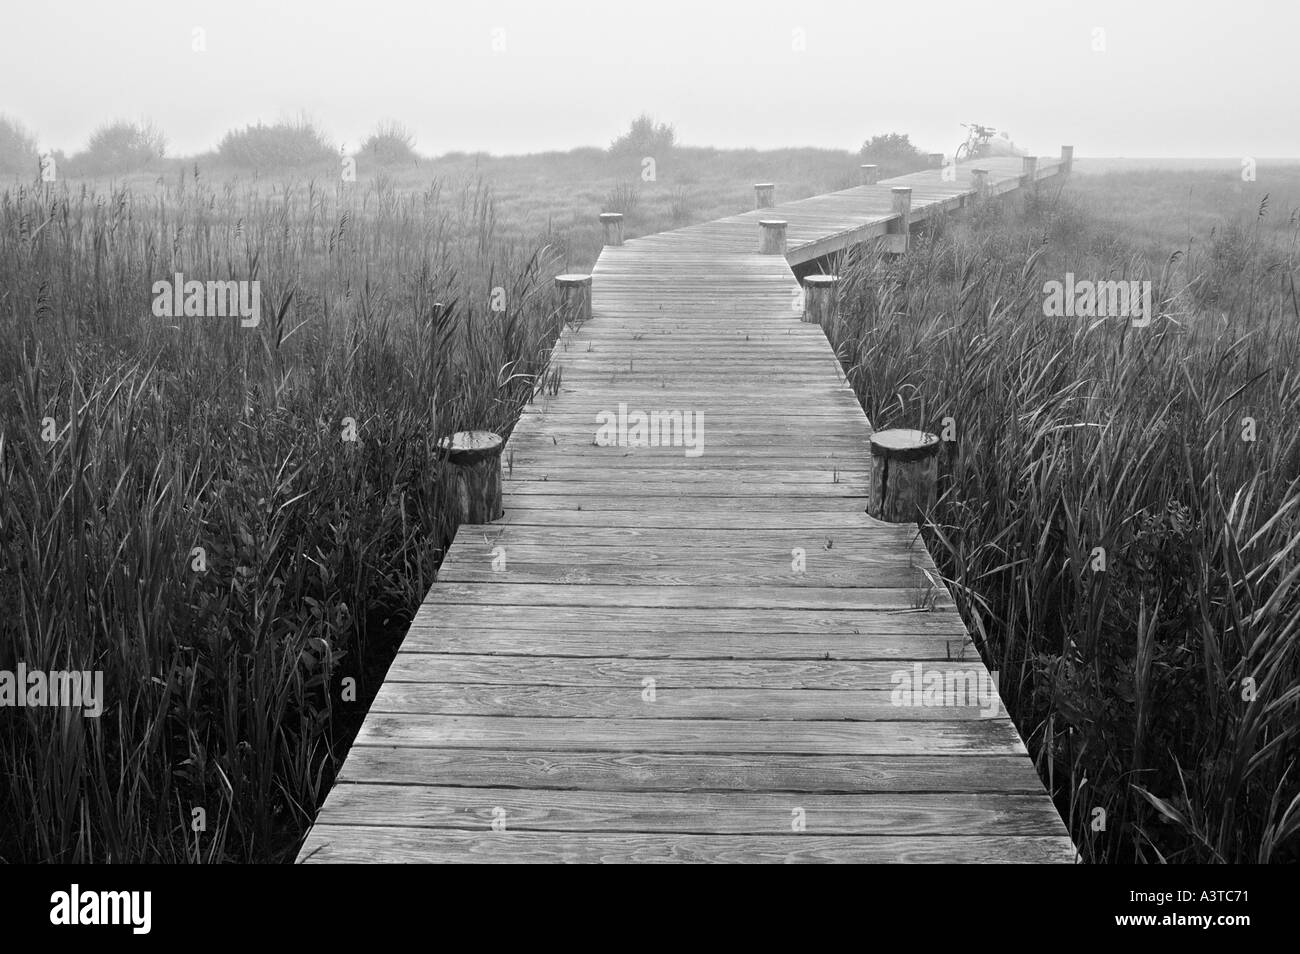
(613, 433)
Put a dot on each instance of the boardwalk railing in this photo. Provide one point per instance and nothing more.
(687, 639)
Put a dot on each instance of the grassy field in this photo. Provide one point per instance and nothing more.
(227, 675)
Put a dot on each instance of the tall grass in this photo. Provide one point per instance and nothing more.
(226, 671)
(1124, 556)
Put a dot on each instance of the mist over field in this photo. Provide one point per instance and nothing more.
(324, 326)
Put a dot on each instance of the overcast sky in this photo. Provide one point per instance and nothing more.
(1161, 78)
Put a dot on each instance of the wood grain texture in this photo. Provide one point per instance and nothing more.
(682, 640)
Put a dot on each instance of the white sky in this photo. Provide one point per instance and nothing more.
(1189, 78)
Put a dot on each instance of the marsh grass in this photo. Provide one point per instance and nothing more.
(225, 671)
(1163, 689)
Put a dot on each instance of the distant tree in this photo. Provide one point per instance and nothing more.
(18, 153)
(280, 145)
(390, 144)
(645, 137)
(120, 146)
(894, 153)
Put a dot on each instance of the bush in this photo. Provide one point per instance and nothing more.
(894, 154)
(17, 147)
(120, 146)
(645, 137)
(282, 145)
(390, 144)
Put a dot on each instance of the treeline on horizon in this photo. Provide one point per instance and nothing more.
(122, 147)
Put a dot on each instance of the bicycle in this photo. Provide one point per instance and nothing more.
(977, 142)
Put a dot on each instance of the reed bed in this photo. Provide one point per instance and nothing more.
(1125, 556)
(234, 676)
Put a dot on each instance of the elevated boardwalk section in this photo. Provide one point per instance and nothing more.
(664, 655)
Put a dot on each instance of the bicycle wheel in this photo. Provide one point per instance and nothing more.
(963, 152)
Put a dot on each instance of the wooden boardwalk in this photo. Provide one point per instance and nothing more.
(649, 677)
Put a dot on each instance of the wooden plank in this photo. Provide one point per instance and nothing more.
(721, 597)
(670, 702)
(451, 618)
(637, 644)
(691, 771)
(765, 813)
(627, 673)
(987, 736)
(359, 844)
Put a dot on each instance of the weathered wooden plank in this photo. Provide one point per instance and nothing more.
(722, 597)
(447, 618)
(359, 844)
(986, 736)
(671, 702)
(534, 640)
(730, 813)
(683, 772)
(629, 673)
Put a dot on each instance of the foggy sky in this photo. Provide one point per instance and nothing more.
(1175, 79)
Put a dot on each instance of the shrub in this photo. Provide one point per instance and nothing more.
(120, 146)
(645, 137)
(390, 144)
(894, 154)
(281, 145)
(17, 147)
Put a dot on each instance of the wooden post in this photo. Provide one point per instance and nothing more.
(1029, 170)
(870, 173)
(821, 300)
(936, 160)
(1067, 160)
(773, 236)
(575, 294)
(904, 475)
(980, 179)
(763, 195)
(900, 228)
(475, 459)
(613, 223)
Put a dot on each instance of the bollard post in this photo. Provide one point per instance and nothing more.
(821, 299)
(1029, 170)
(1067, 160)
(869, 172)
(475, 459)
(936, 160)
(773, 236)
(613, 225)
(763, 195)
(575, 295)
(904, 475)
(900, 228)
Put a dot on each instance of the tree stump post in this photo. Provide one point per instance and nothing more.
(575, 295)
(869, 172)
(900, 228)
(613, 225)
(980, 178)
(1067, 160)
(904, 475)
(763, 192)
(821, 301)
(773, 236)
(936, 160)
(475, 479)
